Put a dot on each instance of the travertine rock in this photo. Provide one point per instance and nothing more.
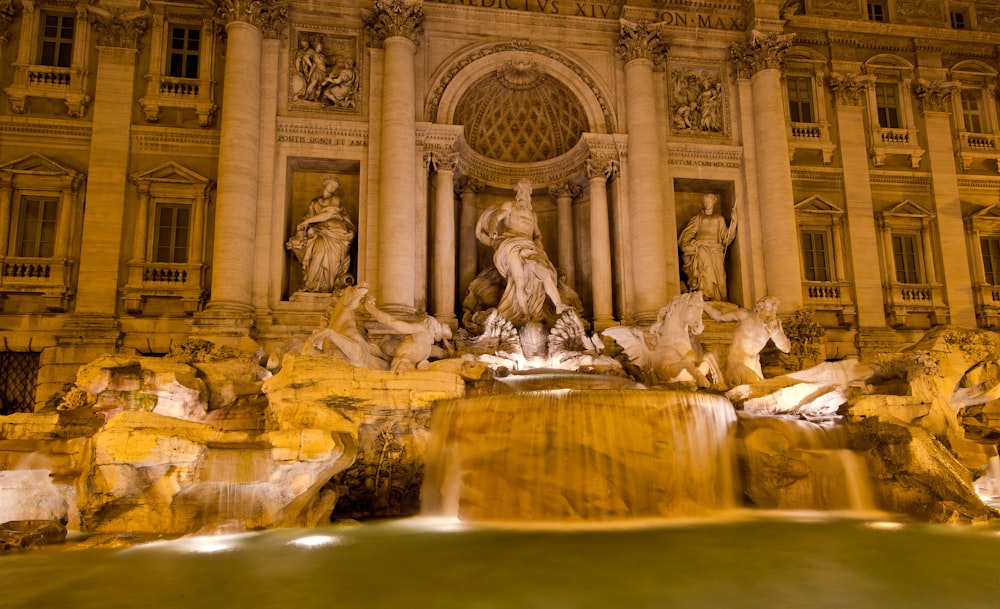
(915, 474)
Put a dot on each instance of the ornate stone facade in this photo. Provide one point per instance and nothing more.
(859, 159)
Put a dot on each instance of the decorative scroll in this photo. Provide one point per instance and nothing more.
(393, 18)
(849, 89)
(934, 96)
(116, 28)
(640, 41)
(267, 15)
(761, 51)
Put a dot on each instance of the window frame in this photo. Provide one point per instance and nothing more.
(166, 91)
(902, 299)
(801, 63)
(892, 71)
(19, 220)
(169, 185)
(34, 176)
(59, 42)
(983, 145)
(31, 78)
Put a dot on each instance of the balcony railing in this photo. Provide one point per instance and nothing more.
(48, 277)
(830, 296)
(811, 136)
(893, 140)
(977, 146)
(170, 92)
(902, 299)
(164, 280)
(68, 84)
(987, 302)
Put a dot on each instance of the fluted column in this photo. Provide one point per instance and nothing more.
(443, 247)
(599, 171)
(564, 194)
(467, 189)
(850, 91)
(654, 261)
(395, 25)
(117, 38)
(760, 58)
(239, 148)
(936, 104)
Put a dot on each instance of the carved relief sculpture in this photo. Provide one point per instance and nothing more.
(324, 72)
(703, 244)
(697, 102)
(322, 241)
(511, 229)
(934, 96)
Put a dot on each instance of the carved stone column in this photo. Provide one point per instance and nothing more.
(599, 171)
(936, 104)
(850, 91)
(394, 25)
(117, 41)
(760, 59)
(468, 246)
(246, 22)
(443, 248)
(654, 257)
(564, 194)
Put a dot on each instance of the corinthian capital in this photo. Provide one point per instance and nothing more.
(117, 28)
(934, 96)
(268, 16)
(7, 12)
(849, 89)
(394, 18)
(761, 51)
(640, 40)
(597, 168)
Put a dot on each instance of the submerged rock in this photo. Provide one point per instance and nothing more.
(30, 534)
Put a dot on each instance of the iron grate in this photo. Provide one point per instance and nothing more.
(18, 375)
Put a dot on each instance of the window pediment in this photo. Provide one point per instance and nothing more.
(907, 210)
(818, 205)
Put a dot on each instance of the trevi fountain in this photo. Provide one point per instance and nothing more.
(712, 458)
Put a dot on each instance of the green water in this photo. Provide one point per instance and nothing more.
(765, 563)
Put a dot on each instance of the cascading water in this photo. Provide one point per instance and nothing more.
(799, 465)
(580, 455)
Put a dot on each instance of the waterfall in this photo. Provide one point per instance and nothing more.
(580, 455)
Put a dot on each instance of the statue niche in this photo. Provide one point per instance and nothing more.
(322, 241)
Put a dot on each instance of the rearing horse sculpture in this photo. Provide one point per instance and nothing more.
(667, 353)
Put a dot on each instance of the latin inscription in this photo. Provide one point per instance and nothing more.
(325, 141)
(577, 8)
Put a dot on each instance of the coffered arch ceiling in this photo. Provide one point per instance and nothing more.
(520, 114)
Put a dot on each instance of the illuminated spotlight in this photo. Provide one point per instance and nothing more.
(885, 525)
(315, 541)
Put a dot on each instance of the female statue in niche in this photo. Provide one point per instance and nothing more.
(322, 241)
(703, 244)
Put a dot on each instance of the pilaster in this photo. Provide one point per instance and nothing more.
(118, 35)
(654, 258)
(230, 305)
(395, 26)
(850, 91)
(443, 248)
(760, 59)
(936, 103)
(564, 193)
(599, 171)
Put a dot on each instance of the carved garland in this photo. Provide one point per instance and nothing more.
(640, 40)
(117, 28)
(760, 52)
(849, 89)
(7, 12)
(518, 45)
(267, 15)
(934, 96)
(393, 18)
